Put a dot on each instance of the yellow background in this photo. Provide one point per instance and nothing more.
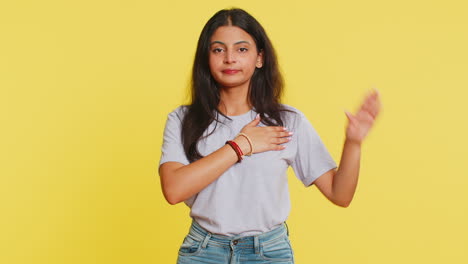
(85, 88)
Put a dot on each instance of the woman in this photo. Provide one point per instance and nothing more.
(226, 154)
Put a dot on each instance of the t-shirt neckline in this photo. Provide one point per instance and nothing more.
(241, 115)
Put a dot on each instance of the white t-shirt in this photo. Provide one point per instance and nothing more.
(251, 197)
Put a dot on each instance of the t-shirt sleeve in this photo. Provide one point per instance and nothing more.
(172, 148)
(312, 159)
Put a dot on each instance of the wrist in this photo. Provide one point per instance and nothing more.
(237, 150)
(243, 144)
(354, 142)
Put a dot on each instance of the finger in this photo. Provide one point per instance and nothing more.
(277, 147)
(350, 117)
(366, 117)
(280, 140)
(367, 101)
(254, 122)
(375, 96)
(370, 99)
(370, 108)
(283, 140)
(283, 134)
(367, 104)
(275, 141)
(376, 92)
(371, 103)
(276, 128)
(374, 107)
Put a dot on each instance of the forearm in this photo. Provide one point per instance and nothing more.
(346, 177)
(181, 182)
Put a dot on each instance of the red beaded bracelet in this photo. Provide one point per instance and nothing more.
(236, 148)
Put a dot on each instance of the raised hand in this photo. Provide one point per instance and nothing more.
(360, 124)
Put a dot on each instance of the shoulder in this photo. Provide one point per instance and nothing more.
(295, 118)
(178, 113)
(291, 113)
(291, 108)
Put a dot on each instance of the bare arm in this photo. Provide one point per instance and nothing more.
(340, 185)
(179, 182)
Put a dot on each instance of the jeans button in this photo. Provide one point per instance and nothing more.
(235, 242)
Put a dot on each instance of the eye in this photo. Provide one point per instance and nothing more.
(217, 50)
(243, 49)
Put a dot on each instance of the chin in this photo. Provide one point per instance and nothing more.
(230, 86)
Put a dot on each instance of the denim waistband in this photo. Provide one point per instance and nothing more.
(238, 241)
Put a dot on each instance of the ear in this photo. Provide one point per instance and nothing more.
(259, 62)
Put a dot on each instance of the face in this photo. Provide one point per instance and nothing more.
(233, 57)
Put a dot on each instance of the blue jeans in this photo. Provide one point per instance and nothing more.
(201, 246)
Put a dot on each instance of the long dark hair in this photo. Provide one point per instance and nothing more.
(266, 84)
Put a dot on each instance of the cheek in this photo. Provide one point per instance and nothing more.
(213, 62)
(212, 65)
(252, 64)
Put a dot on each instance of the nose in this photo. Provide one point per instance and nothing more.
(229, 57)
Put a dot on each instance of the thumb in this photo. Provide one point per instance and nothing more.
(349, 116)
(254, 122)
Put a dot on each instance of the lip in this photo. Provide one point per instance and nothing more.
(230, 71)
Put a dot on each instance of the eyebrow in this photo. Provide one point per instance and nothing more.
(220, 42)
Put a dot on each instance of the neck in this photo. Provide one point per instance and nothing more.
(234, 101)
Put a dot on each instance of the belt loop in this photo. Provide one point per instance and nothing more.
(287, 228)
(256, 245)
(205, 241)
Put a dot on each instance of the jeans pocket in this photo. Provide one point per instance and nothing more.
(190, 246)
(277, 251)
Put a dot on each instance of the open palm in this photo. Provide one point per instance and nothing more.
(360, 124)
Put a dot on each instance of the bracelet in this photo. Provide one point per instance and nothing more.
(250, 143)
(237, 149)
